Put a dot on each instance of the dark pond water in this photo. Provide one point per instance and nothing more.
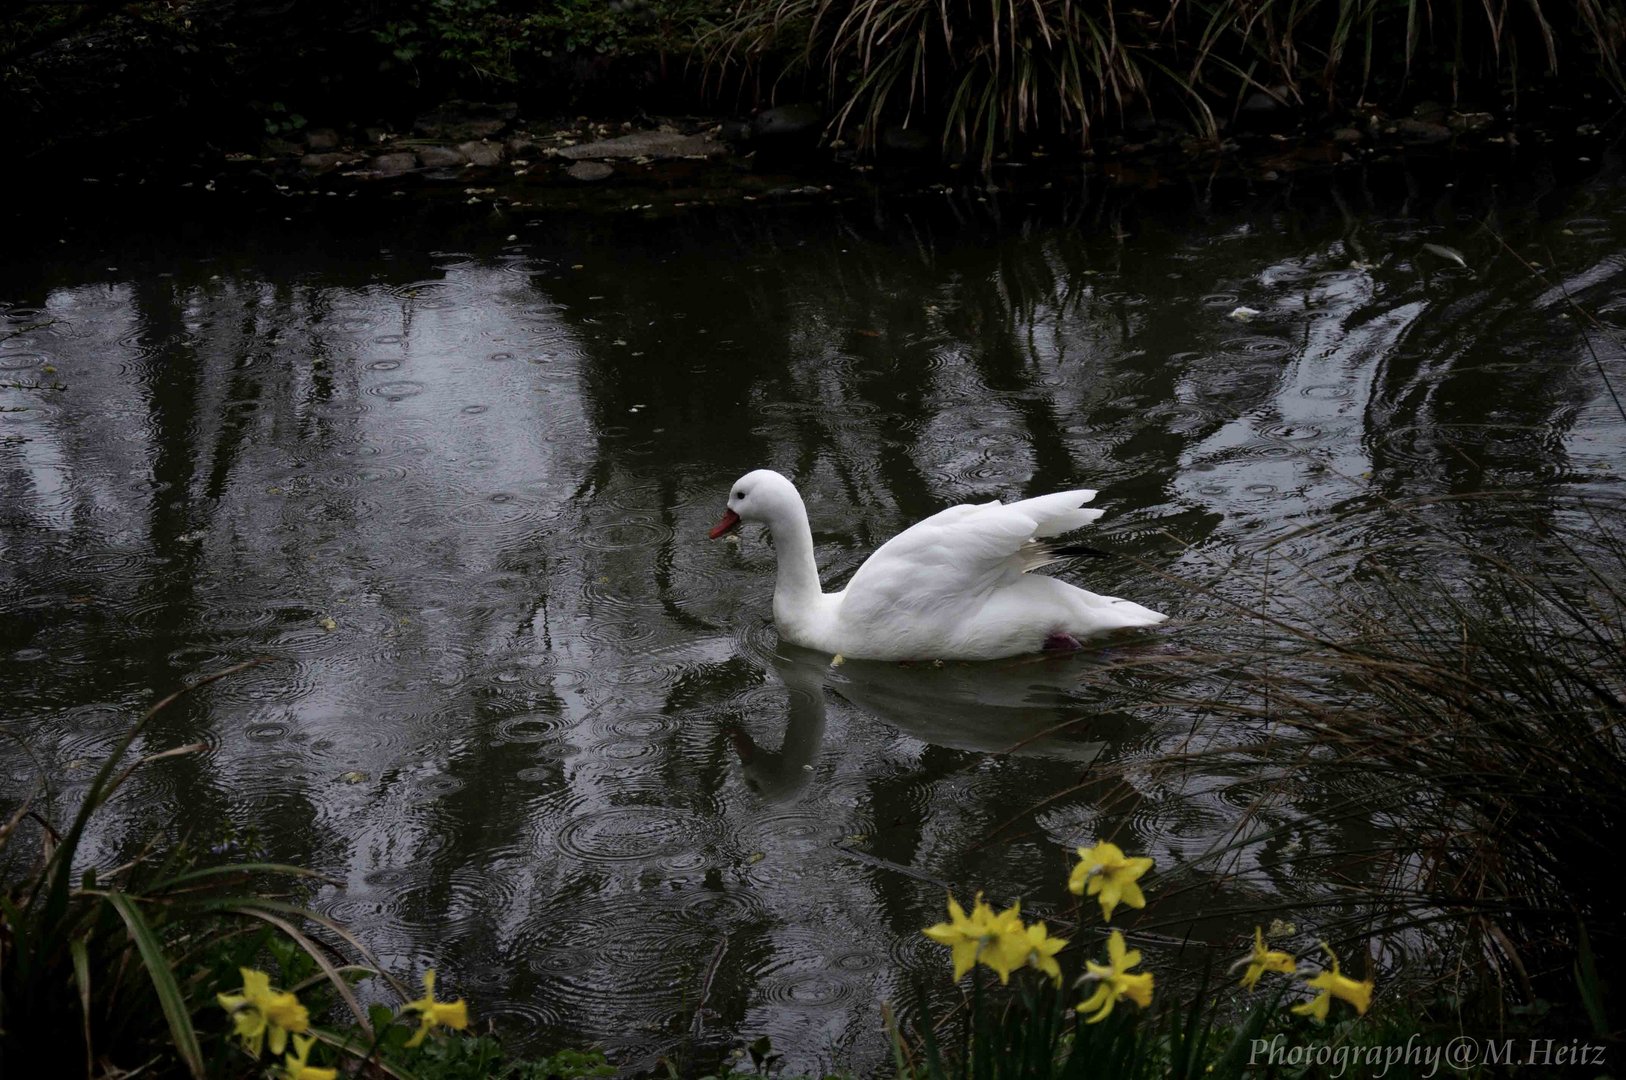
(548, 739)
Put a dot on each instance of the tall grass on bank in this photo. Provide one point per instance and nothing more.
(979, 77)
(1465, 704)
(981, 74)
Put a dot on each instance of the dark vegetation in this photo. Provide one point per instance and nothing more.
(1475, 694)
(973, 77)
(982, 76)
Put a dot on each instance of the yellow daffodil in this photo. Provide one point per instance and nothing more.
(283, 1012)
(294, 1067)
(452, 1014)
(1007, 942)
(963, 934)
(1116, 981)
(247, 1023)
(979, 936)
(1007, 948)
(1334, 984)
(1032, 945)
(1262, 960)
(1107, 873)
(259, 1013)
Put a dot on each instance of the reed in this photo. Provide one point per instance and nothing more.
(1468, 701)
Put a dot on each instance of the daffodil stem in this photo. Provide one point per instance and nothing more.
(973, 1020)
(378, 1039)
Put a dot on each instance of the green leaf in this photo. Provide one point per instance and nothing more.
(1590, 985)
(81, 976)
(1235, 1059)
(16, 924)
(170, 998)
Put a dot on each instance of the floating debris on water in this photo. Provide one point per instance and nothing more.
(1448, 254)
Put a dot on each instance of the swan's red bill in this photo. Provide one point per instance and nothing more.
(730, 522)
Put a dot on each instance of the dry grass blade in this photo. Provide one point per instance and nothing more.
(334, 975)
(178, 751)
(373, 1063)
(81, 978)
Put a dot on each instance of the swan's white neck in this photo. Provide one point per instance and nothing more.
(798, 581)
(801, 609)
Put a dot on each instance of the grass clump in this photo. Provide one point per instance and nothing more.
(983, 75)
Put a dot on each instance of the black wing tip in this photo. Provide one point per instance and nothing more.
(1080, 551)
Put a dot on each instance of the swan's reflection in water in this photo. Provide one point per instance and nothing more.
(1036, 706)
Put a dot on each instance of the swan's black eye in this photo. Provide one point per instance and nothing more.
(739, 494)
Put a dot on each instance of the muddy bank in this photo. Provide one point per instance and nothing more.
(155, 84)
(485, 153)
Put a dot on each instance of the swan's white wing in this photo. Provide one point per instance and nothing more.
(959, 555)
(1059, 513)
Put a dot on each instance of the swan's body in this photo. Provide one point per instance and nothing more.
(953, 587)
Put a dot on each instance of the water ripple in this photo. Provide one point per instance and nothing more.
(627, 833)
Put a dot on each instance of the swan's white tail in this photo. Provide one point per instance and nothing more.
(1127, 613)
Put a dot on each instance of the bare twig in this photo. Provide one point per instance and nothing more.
(20, 331)
(699, 1021)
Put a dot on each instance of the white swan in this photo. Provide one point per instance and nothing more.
(953, 587)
